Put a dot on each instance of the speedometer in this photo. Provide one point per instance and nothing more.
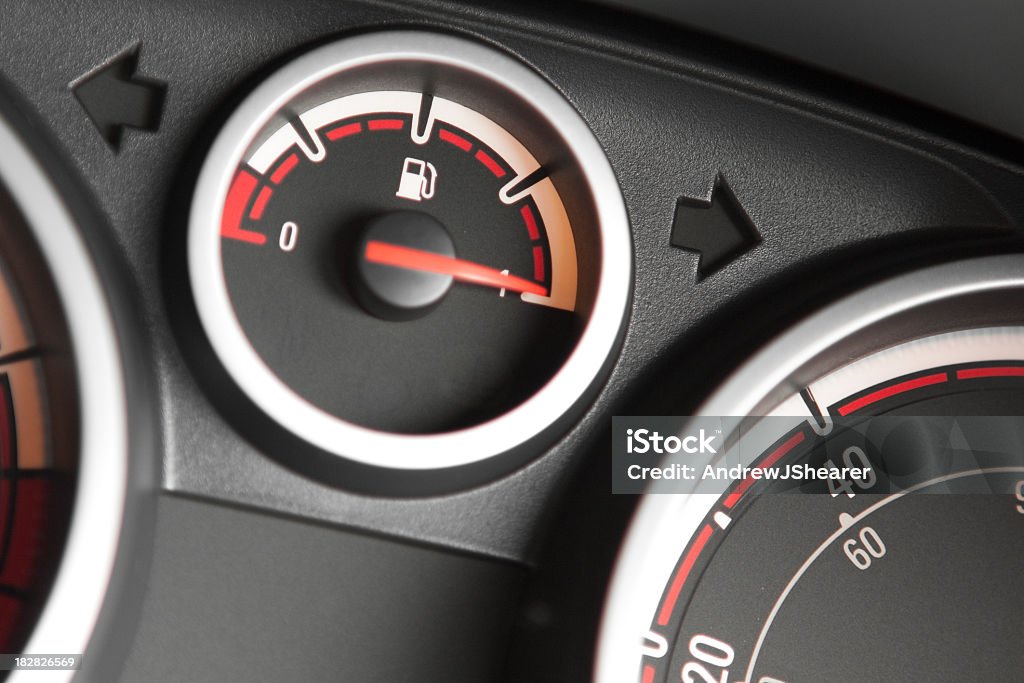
(873, 579)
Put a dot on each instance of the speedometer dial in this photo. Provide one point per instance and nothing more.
(410, 251)
(873, 579)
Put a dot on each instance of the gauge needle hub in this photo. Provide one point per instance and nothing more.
(387, 254)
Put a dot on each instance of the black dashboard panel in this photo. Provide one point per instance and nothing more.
(265, 564)
(234, 595)
(960, 59)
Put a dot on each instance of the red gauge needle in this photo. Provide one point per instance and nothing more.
(387, 254)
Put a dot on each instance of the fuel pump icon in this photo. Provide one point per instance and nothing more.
(417, 180)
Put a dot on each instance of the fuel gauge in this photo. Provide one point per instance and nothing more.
(409, 250)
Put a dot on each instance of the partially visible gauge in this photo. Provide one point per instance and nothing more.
(63, 428)
(38, 431)
(409, 250)
(869, 581)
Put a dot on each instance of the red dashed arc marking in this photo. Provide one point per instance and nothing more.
(386, 124)
(892, 390)
(290, 162)
(496, 169)
(457, 140)
(538, 264)
(684, 571)
(997, 371)
(531, 222)
(690, 559)
(344, 131)
(770, 460)
(488, 161)
(234, 208)
(245, 184)
(260, 204)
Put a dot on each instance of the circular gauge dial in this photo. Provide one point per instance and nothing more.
(37, 449)
(867, 581)
(63, 425)
(440, 301)
(409, 250)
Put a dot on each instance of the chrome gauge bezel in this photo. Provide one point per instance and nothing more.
(86, 570)
(538, 414)
(902, 325)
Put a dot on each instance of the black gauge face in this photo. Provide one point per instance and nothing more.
(408, 250)
(872, 579)
(329, 267)
(905, 568)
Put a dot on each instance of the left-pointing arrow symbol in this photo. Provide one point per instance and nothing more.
(114, 97)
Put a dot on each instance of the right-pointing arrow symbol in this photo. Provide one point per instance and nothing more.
(114, 97)
(718, 229)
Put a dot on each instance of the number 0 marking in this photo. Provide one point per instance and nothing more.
(289, 236)
(655, 645)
